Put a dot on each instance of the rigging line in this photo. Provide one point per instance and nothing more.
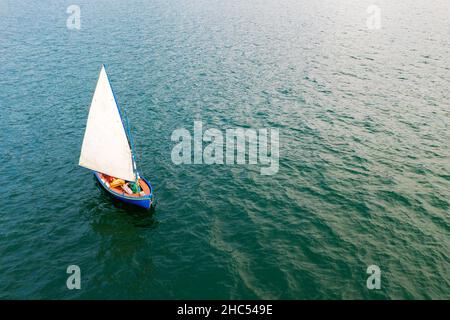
(131, 142)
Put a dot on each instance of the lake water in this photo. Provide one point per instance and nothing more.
(364, 170)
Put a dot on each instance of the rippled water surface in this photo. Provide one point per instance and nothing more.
(364, 174)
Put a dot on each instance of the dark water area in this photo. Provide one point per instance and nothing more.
(364, 169)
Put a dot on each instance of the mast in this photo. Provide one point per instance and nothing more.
(126, 129)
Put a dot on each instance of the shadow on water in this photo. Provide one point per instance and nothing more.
(102, 208)
(133, 211)
(120, 240)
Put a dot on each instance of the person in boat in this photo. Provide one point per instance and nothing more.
(129, 187)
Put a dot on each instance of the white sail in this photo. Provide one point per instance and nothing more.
(105, 145)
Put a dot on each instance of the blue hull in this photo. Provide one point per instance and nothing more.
(145, 202)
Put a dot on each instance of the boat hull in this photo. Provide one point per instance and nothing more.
(145, 202)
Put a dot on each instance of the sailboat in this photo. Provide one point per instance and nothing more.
(107, 149)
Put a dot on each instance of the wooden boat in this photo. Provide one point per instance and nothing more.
(107, 148)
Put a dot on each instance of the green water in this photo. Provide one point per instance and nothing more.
(364, 171)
